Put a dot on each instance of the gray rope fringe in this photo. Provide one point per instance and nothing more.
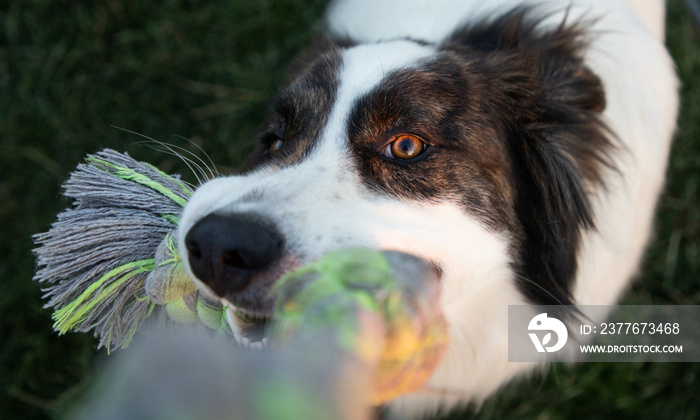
(95, 259)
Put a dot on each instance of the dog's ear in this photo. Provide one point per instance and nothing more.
(550, 105)
(558, 152)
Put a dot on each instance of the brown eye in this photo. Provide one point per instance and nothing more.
(405, 146)
(275, 146)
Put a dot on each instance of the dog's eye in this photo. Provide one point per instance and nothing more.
(275, 146)
(405, 146)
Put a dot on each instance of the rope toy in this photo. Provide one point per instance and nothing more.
(110, 262)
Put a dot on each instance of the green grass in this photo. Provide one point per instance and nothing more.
(71, 71)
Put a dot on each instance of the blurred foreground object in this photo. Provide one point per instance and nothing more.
(352, 330)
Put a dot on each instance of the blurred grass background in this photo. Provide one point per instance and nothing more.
(71, 71)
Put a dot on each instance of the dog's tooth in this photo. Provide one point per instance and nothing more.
(264, 341)
(236, 333)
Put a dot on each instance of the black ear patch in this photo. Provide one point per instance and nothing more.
(550, 105)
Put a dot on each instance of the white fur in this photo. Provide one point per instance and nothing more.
(320, 203)
(652, 13)
(364, 67)
(337, 215)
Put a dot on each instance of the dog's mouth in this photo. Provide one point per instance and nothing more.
(249, 312)
(249, 328)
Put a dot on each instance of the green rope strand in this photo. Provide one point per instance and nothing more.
(67, 317)
(131, 175)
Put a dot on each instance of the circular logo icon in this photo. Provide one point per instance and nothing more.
(542, 323)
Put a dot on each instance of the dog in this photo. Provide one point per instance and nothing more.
(520, 147)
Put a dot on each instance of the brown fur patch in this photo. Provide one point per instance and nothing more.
(444, 102)
(300, 110)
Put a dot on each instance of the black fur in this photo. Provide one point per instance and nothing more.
(556, 141)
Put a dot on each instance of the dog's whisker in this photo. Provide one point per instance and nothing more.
(203, 168)
(162, 147)
(540, 287)
(197, 169)
(211, 167)
(199, 172)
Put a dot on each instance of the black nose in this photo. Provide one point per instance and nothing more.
(224, 251)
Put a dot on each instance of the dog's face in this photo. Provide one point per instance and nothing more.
(474, 155)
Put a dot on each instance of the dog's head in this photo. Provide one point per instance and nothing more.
(475, 154)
